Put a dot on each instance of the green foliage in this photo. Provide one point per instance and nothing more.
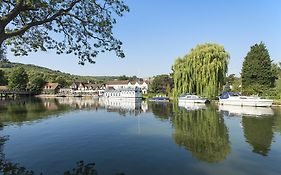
(82, 28)
(257, 74)
(278, 87)
(202, 71)
(3, 79)
(124, 77)
(36, 84)
(18, 79)
(62, 81)
(161, 84)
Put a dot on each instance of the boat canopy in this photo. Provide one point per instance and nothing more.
(226, 95)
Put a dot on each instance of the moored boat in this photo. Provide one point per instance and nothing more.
(187, 98)
(123, 93)
(231, 98)
(160, 99)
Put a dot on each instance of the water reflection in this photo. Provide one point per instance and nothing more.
(200, 130)
(30, 110)
(245, 110)
(161, 110)
(258, 133)
(203, 133)
(257, 124)
(124, 106)
(192, 106)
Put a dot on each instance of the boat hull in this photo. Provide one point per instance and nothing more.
(193, 101)
(246, 102)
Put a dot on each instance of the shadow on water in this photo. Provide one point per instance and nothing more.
(200, 131)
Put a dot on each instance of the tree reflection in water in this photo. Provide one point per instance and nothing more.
(202, 132)
(258, 133)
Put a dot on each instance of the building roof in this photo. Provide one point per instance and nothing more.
(52, 85)
(117, 82)
(139, 82)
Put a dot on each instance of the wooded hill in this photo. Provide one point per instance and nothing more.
(50, 75)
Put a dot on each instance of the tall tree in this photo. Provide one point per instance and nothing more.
(257, 72)
(36, 84)
(202, 71)
(162, 84)
(18, 79)
(82, 27)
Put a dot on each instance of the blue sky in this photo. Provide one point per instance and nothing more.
(155, 32)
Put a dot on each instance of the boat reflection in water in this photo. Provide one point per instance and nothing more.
(192, 106)
(246, 110)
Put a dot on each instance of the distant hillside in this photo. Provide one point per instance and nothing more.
(50, 75)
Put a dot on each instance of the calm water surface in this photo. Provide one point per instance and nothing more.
(72, 136)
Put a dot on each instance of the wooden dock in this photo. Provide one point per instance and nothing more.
(13, 94)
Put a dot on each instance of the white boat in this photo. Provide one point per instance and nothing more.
(187, 98)
(231, 98)
(123, 93)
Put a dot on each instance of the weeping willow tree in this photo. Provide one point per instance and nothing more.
(202, 71)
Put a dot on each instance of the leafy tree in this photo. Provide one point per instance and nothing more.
(61, 81)
(18, 79)
(81, 27)
(36, 84)
(276, 70)
(257, 74)
(3, 80)
(123, 77)
(202, 71)
(160, 84)
(233, 83)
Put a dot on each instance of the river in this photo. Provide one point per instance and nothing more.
(108, 137)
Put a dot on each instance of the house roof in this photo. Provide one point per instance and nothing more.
(139, 82)
(52, 85)
(117, 82)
